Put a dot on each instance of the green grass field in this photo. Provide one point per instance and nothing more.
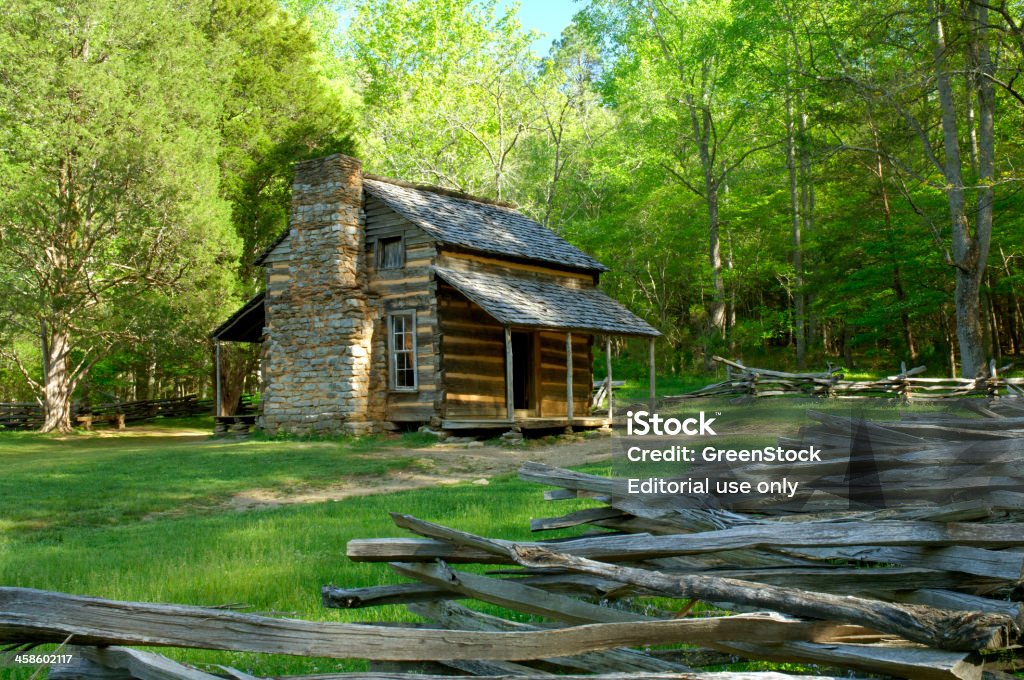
(144, 518)
(146, 515)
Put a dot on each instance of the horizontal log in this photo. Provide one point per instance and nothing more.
(635, 547)
(81, 668)
(902, 662)
(575, 518)
(998, 564)
(38, 616)
(516, 596)
(374, 596)
(721, 675)
(949, 599)
(956, 631)
(455, 617)
(761, 371)
(854, 581)
(142, 665)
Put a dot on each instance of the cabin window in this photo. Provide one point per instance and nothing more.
(390, 253)
(402, 335)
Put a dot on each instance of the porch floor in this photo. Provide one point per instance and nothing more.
(526, 423)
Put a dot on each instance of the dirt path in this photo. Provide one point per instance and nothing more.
(435, 466)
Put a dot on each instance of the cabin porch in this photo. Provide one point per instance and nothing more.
(516, 350)
(525, 423)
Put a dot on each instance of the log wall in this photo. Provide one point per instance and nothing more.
(411, 288)
(473, 358)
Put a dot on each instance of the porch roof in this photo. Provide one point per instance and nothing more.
(245, 325)
(535, 303)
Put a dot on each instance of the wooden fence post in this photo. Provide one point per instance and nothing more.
(217, 406)
(905, 395)
(510, 407)
(608, 357)
(651, 378)
(992, 385)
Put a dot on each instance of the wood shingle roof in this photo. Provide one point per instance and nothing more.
(480, 226)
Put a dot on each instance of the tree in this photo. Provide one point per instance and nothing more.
(445, 89)
(674, 83)
(935, 69)
(276, 108)
(572, 120)
(107, 184)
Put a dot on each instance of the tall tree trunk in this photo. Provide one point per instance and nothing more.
(969, 247)
(950, 337)
(717, 312)
(993, 320)
(806, 211)
(238, 362)
(1016, 314)
(733, 302)
(796, 219)
(57, 383)
(847, 340)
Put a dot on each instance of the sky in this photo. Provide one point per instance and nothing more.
(547, 16)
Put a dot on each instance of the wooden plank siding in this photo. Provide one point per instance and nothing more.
(472, 357)
(473, 361)
(410, 288)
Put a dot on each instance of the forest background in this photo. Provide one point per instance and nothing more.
(787, 182)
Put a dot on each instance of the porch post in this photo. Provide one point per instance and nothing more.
(651, 388)
(568, 377)
(509, 394)
(216, 404)
(608, 357)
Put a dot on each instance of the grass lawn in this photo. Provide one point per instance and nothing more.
(143, 518)
(102, 479)
(139, 516)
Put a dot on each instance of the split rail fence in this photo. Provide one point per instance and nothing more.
(29, 415)
(745, 382)
(657, 590)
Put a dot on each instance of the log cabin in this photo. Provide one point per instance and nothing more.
(393, 305)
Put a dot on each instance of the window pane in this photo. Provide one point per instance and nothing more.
(403, 355)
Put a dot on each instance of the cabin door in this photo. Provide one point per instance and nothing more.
(523, 368)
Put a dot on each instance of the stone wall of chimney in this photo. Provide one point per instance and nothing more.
(323, 331)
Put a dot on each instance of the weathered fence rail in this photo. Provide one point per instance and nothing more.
(29, 415)
(744, 382)
(21, 415)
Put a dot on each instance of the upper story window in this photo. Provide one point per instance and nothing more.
(390, 253)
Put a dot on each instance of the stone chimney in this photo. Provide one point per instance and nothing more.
(320, 322)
